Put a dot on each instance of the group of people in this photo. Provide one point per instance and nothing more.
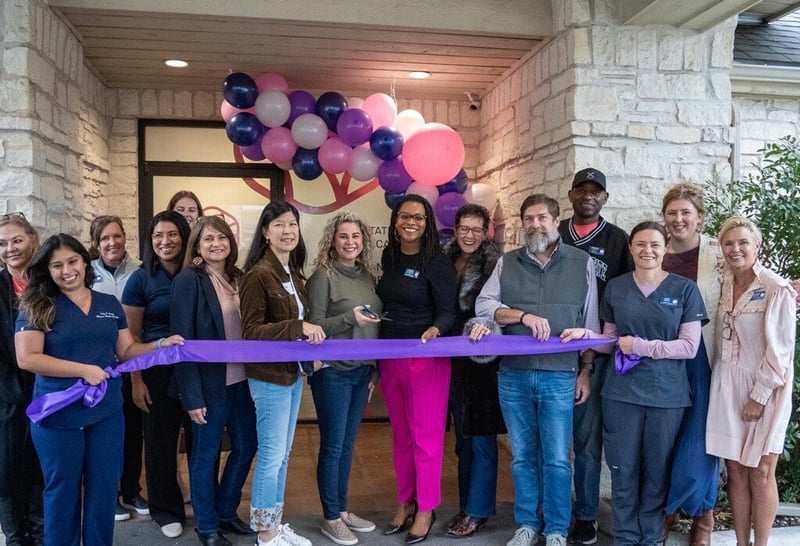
(671, 399)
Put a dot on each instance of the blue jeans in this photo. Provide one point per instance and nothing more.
(339, 398)
(276, 417)
(587, 438)
(211, 503)
(477, 468)
(87, 460)
(537, 407)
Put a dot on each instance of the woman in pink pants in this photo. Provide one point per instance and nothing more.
(418, 289)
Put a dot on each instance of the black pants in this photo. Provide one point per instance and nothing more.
(20, 478)
(129, 485)
(161, 429)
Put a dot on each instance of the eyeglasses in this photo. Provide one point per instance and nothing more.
(464, 230)
(727, 326)
(11, 215)
(405, 217)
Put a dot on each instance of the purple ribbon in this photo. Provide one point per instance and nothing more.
(624, 363)
(290, 351)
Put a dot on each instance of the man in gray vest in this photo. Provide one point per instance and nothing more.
(542, 288)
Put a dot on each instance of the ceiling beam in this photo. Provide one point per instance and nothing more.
(525, 18)
(698, 15)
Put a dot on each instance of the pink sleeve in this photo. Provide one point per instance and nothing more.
(685, 346)
(609, 330)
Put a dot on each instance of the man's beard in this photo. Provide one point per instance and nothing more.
(537, 242)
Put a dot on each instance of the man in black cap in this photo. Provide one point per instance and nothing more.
(607, 245)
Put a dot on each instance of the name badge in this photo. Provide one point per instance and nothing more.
(597, 251)
(758, 295)
(289, 287)
(669, 302)
(411, 273)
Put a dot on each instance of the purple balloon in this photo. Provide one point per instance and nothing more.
(302, 102)
(392, 176)
(386, 143)
(329, 107)
(254, 151)
(447, 206)
(244, 129)
(354, 126)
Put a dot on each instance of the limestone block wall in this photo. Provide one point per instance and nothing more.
(52, 121)
(763, 120)
(649, 106)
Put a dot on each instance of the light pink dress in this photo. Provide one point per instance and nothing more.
(754, 359)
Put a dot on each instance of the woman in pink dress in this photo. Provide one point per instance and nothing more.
(751, 382)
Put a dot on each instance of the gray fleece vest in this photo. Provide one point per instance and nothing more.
(557, 293)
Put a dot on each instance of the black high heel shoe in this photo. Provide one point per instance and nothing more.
(411, 538)
(392, 529)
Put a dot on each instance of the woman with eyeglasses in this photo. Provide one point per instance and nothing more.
(418, 289)
(146, 301)
(66, 332)
(205, 303)
(474, 404)
(113, 266)
(696, 256)
(751, 382)
(188, 205)
(274, 308)
(20, 474)
(339, 290)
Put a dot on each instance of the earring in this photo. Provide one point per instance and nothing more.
(197, 260)
(396, 235)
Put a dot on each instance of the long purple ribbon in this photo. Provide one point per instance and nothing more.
(290, 351)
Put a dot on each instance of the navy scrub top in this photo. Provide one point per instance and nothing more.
(153, 293)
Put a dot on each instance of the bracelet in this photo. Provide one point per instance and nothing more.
(159, 342)
(522, 317)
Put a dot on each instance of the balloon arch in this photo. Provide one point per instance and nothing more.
(365, 138)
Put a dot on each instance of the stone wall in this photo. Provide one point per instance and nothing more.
(648, 106)
(763, 120)
(52, 114)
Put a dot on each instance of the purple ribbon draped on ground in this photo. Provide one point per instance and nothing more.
(290, 351)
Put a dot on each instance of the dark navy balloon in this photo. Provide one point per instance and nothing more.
(240, 90)
(244, 129)
(386, 143)
(305, 164)
(393, 198)
(445, 234)
(329, 107)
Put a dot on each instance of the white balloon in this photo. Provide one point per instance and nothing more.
(408, 122)
(481, 194)
(354, 102)
(430, 193)
(363, 164)
(309, 131)
(273, 108)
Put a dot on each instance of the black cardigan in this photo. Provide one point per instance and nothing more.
(16, 385)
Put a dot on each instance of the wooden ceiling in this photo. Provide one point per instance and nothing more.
(127, 49)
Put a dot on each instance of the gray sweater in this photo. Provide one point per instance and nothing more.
(332, 294)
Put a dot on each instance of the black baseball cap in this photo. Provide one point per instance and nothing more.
(589, 175)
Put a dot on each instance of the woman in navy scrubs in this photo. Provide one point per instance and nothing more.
(65, 332)
(657, 316)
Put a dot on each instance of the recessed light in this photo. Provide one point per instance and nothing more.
(419, 75)
(176, 63)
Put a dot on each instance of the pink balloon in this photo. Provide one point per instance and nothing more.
(227, 110)
(363, 164)
(309, 131)
(430, 193)
(434, 154)
(334, 156)
(272, 108)
(355, 102)
(408, 122)
(382, 109)
(278, 145)
(285, 165)
(272, 81)
(490, 232)
(481, 194)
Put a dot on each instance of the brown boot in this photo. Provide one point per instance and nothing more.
(669, 522)
(701, 529)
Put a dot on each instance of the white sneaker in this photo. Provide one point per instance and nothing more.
(524, 536)
(556, 540)
(291, 537)
(172, 530)
(278, 540)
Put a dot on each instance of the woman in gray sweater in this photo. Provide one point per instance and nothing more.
(340, 288)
